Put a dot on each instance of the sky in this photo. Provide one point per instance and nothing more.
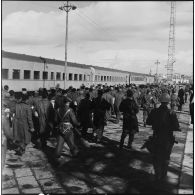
(125, 35)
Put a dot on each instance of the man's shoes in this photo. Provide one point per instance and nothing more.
(129, 147)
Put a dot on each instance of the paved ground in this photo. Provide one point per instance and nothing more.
(102, 168)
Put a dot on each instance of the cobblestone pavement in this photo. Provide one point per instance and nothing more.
(102, 168)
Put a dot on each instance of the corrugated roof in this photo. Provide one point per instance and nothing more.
(24, 57)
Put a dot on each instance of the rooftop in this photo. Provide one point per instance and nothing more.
(24, 57)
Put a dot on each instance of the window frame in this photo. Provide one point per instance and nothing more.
(58, 76)
(38, 75)
(52, 76)
(75, 77)
(13, 74)
(80, 77)
(7, 73)
(45, 75)
(28, 75)
(70, 75)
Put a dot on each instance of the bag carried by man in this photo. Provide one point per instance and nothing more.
(64, 127)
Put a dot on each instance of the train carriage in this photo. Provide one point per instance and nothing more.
(31, 72)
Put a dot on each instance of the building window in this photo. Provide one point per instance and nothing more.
(45, 75)
(84, 77)
(5, 73)
(26, 74)
(36, 74)
(58, 76)
(108, 78)
(75, 77)
(16, 74)
(96, 77)
(88, 77)
(52, 75)
(101, 78)
(63, 76)
(70, 77)
(104, 78)
(80, 77)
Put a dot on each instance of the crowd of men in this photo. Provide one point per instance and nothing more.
(68, 115)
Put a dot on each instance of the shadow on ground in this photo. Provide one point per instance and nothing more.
(106, 169)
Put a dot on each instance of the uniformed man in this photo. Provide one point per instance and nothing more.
(164, 122)
(174, 100)
(130, 123)
(147, 105)
(181, 98)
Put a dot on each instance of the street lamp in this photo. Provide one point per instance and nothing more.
(66, 8)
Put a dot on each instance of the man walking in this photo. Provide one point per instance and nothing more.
(130, 123)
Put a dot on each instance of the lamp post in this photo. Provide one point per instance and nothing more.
(66, 7)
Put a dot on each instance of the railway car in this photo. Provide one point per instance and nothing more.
(32, 72)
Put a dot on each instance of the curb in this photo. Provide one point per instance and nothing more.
(186, 183)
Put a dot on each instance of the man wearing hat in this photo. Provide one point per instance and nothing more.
(164, 121)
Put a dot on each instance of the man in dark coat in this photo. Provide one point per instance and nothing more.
(37, 97)
(22, 123)
(130, 123)
(84, 114)
(42, 109)
(100, 106)
(181, 98)
(80, 96)
(164, 122)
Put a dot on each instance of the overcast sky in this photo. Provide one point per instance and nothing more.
(124, 35)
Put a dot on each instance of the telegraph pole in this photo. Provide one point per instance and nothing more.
(157, 63)
(171, 47)
(66, 7)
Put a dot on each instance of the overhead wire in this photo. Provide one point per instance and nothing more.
(98, 27)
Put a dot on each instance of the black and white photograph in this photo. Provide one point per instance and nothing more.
(97, 97)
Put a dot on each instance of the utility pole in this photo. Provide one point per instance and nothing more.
(171, 47)
(157, 63)
(66, 7)
(44, 61)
